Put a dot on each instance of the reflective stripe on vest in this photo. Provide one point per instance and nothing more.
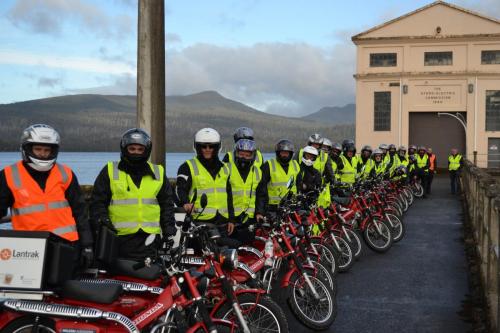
(277, 186)
(348, 173)
(132, 208)
(35, 209)
(244, 192)
(215, 189)
(422, 161)
(454, 162)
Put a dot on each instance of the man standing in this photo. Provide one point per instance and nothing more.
(432, 168)
(275, 175)
(422, 168)
(245, 176)
(133, 198)
(455, 163)
(44, 195)
(206, 173)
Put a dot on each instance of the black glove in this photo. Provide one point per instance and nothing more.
(87, 257)
(169, 231)
(108, 224)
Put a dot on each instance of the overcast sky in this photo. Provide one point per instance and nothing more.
(288, 57)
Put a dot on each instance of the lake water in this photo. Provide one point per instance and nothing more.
(87, 166)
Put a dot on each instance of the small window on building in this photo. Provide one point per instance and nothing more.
(490, 57)
(438, 58)
(383, 59)
(382, 121)
(493, 110)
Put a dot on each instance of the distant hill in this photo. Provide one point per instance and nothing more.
(335, 114)
(96, 122)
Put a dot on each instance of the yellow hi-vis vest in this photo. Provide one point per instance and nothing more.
(367, 167)
(259, 159)
(215, 189)
(133, 208)
(319, 163)
(422, 161)
(276, 188)
(395, 163)
(379, 168)
(244, 192)
(350, 170)
(454, 162)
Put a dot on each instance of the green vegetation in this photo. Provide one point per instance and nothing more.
(96, 122)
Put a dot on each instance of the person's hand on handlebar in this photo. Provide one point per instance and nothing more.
(188, 207)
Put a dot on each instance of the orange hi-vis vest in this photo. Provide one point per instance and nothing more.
(432, 161)
(37, 210)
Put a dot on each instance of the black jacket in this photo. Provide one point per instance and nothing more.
(308, 179)
(185, 181)
(73, 195)
(101, 195)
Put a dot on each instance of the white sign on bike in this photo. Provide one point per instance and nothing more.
(21, 262)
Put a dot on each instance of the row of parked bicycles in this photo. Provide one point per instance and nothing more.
(197, 285)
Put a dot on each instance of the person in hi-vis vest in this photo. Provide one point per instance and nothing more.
(432, 168)
(455, 163)
(206, 174)
(244, 133)
(244, 177)
(134, 198)
(276, 173)
(44, 195)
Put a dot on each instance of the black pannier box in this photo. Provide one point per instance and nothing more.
(34, 260)
(107, 246)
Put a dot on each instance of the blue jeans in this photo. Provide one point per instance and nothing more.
(455, 185)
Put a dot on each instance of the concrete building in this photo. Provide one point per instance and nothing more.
(432, 78)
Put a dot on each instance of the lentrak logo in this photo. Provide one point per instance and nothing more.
(5, 254)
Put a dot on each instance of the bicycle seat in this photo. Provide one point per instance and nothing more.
(104, 293)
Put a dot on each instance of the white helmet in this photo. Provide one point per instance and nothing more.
(310, 150)
(207, 136)
(39, 134)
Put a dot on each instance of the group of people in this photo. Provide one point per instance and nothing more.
(133, 198)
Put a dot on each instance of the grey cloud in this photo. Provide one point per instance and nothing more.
(49, 17)
(293, 79)
(48, 82)
(287, 79)
(122, 85)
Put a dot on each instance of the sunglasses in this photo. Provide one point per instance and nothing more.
(207, 146)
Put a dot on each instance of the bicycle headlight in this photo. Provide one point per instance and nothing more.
(229, 259)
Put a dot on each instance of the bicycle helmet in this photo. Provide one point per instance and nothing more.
(243, 133)
(245, 145)
(40, 134)
(136, 136)
(207, 136)
(312, 151)
(284, 145)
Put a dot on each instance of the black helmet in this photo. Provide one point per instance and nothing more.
(347, 142)
(350, 147)
(367, 148)
(136, 136)
(243, 133)
(244, 145)
(391, 146)
(337, 146)
(284, 145)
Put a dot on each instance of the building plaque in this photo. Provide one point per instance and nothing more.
(441, 95)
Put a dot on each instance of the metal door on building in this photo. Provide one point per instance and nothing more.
(441, 133)
(493, 152)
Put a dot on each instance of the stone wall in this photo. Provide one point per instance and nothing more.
(482, 200)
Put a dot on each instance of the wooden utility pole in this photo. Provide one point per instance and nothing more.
(151, 74)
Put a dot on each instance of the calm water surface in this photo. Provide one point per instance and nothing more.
(88, 165)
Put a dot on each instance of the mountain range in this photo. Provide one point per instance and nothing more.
(96, 122)
(335, 114)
